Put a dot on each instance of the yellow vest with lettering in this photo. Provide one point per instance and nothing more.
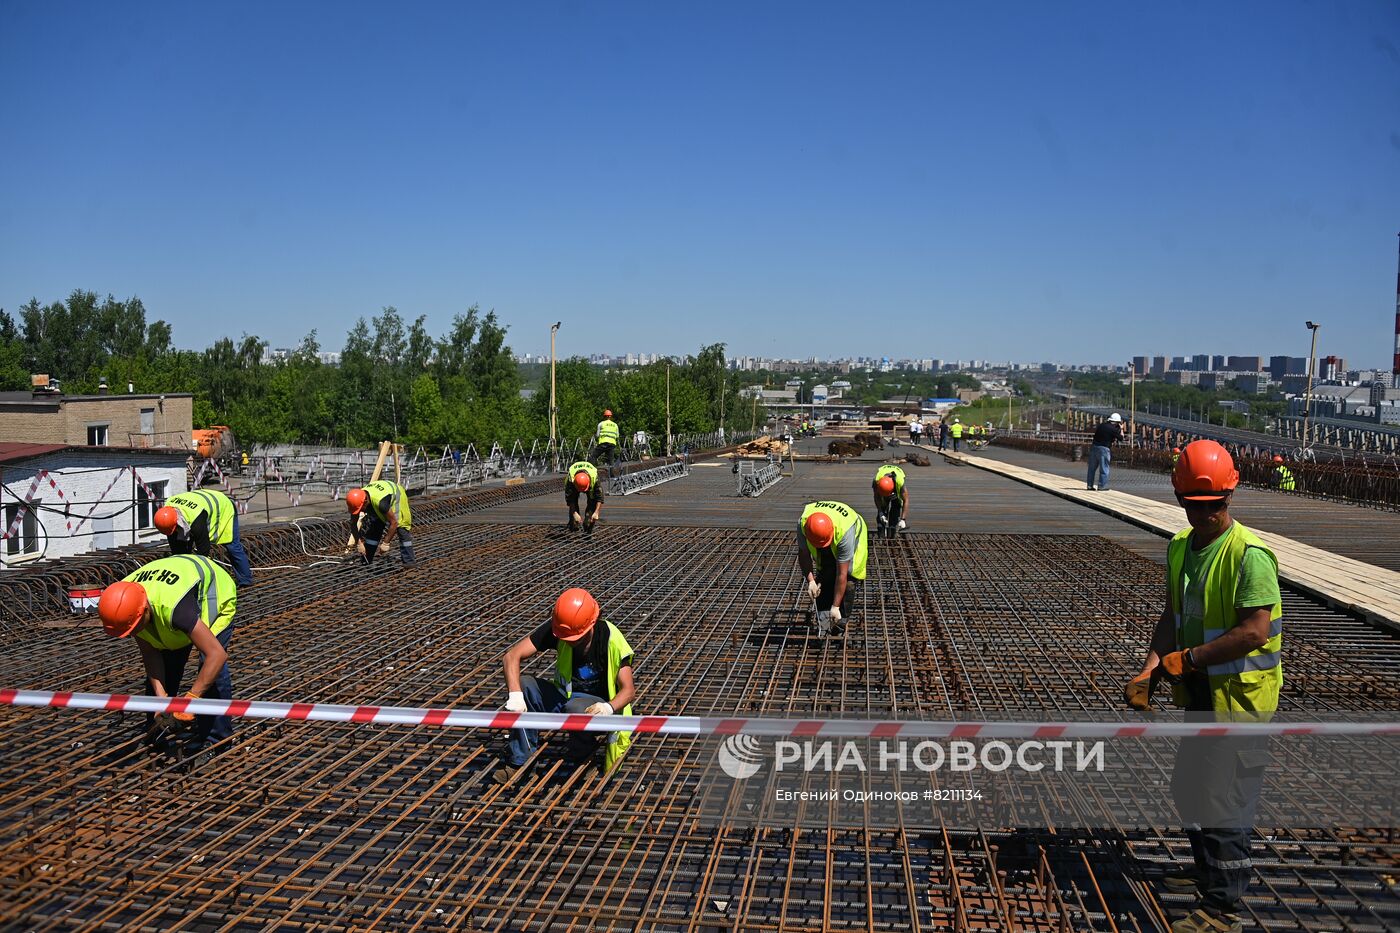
(218, 506)
(845, 520)
(378, 490)
(168, 580)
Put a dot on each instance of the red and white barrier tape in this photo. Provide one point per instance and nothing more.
(28, 498)
(682, 725)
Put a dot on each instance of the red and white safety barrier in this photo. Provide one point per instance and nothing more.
(681, 725)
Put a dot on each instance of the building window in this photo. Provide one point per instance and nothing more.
(148, 505)
(97, 435)
(25, 540)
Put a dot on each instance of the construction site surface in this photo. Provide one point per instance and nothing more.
(1000, 600)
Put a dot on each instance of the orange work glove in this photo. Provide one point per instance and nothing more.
(1178, 664)
(1138, 692)
(186, 717)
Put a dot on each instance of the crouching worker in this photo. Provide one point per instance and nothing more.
(592, 676)
(172, 605)
(377, 512)
(583, 496)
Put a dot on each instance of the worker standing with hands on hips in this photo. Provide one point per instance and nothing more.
(194, 521)
(1219, 642)
(592, 676)
(606, 437)
(171, 605)
(891, 499)
(832, 546)
(377, 512)
(581, 485)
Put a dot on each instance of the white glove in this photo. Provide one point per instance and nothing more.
(515, 703)
(814, 589)
(600, 709)
(881, 518)
(835, 613)
(901, 524)
(578, 517)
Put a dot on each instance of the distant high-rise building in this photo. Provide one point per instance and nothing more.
(1217, 362)
(1245, 364)
(1140, 364)
(1200, 362)
(1159, 365)
(1178, 362)
(1280, 366)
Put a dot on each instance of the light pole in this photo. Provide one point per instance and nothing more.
(553, 409)
(1132, 401)
(1307, 398)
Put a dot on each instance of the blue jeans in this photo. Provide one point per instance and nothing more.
(542, 696)
(242, 570)
(1099, 456)
(206, 728)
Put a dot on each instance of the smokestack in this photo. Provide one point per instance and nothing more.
(1395, 366)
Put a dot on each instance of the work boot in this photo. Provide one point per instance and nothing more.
(1204, 920)
(573, 526)
(507, 773)
(1184, 881)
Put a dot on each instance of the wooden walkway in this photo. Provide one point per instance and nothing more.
(1371, 591)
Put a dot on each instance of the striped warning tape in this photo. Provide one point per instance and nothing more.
(680, 725)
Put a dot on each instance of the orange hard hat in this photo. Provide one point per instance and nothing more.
(886, 484)
(1205, 472)
(167, 519)
(819, 529)
(575, 611)
(1176, 450)
(582, 481)
(121, 607)
(1277, 459)
(355, 500)
(607, 412)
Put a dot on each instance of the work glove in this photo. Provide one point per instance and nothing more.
(835, 613)
(1178, 664)
(600, 709)
(515, 703)
(186, 717)
(383, 548)
(880, 518)
(814, 589)
(578, 517)
(1138, 692)
(902, 524)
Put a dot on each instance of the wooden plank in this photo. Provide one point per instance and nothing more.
(1371, 591)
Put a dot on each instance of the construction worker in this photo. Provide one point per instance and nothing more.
(1106, 435)
(1282, 476)
(832, 545)
(1176, 455)
(582, 480)
(376, 512)
(1219, 642)
(606, 438)
(195, 521)
(956, 430)
(891, 499)
(170, 605)
(915, 429)
(942, 434)
(592, 676)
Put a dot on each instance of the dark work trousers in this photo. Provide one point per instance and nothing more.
(826, 576)
(543, 696)
(893, 510)
(374, 530)
(242, 569)
(957, 443)
(206, 728)
(1216, 785)
(607, 453)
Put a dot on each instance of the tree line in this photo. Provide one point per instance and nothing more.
(394, 381)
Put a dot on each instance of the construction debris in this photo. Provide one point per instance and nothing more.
(917, 459)
(762, 446)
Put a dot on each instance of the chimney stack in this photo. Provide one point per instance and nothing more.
(102, 386)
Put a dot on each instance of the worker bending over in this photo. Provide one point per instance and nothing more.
(1219, 642)
(592, 676)
(194, 521)
(377, 512)
(832, 546)
(606, 438)
(581, 487)
(171, 605)
(891, 499)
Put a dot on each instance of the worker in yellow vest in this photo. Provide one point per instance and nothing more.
(194, 521)
(171, 605)
(606, 439)
(592, 677)
(1219, 641)
(377, 512)
(1176, 455)
(581, 483)
(832, 545)
(956, 429)
(891, 500)
(1282, 477)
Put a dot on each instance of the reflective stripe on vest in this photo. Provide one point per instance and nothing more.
(894, 471)
(607, 431)
(618, 648)
(844, 520)
(583, 466)
(1249, 684)
(165, 583)
(198, 501)
(376, 492)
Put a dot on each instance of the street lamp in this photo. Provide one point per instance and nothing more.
(553, 409)
(1307, 397)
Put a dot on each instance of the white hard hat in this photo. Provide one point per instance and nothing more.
(1115, 417)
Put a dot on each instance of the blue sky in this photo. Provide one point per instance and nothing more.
(1070, 181)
